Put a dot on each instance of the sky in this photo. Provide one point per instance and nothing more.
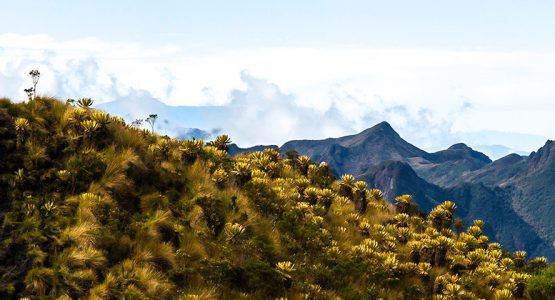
(437, 70)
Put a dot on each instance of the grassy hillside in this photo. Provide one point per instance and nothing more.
(91, 207)
(474, 201)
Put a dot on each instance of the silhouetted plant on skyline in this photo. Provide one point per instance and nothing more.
(137, 123)
(35, 76)
(85, 102)
(32, 91)
(152, 120)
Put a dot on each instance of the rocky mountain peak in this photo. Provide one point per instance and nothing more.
(382, 129)
(460, 146)
(543, 157)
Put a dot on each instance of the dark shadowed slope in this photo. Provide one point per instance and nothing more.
(445, 167)
(234, 149)
(499, 172)
(474, 201)
(397, 178)
(534, 191)
(493, 205)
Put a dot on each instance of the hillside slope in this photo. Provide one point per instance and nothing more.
(94, 208)
(521, 187)
(474, 201)
(534, 191)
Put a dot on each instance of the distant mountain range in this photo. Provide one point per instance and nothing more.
(205, 122)
(514, 195)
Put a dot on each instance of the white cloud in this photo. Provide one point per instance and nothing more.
(421, 91)
(85, 67)
(261, 113)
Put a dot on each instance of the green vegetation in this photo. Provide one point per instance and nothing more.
(92, 207)
(542, 286)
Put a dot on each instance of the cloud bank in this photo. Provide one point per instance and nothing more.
(431, 96)
(261, 113)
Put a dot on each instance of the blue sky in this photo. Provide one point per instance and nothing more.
(229, 24)
(437, 70)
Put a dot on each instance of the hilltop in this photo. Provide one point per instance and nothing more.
(93, 207)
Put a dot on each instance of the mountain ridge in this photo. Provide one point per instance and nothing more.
(381, 157)
(212, 119)
(373, 145)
